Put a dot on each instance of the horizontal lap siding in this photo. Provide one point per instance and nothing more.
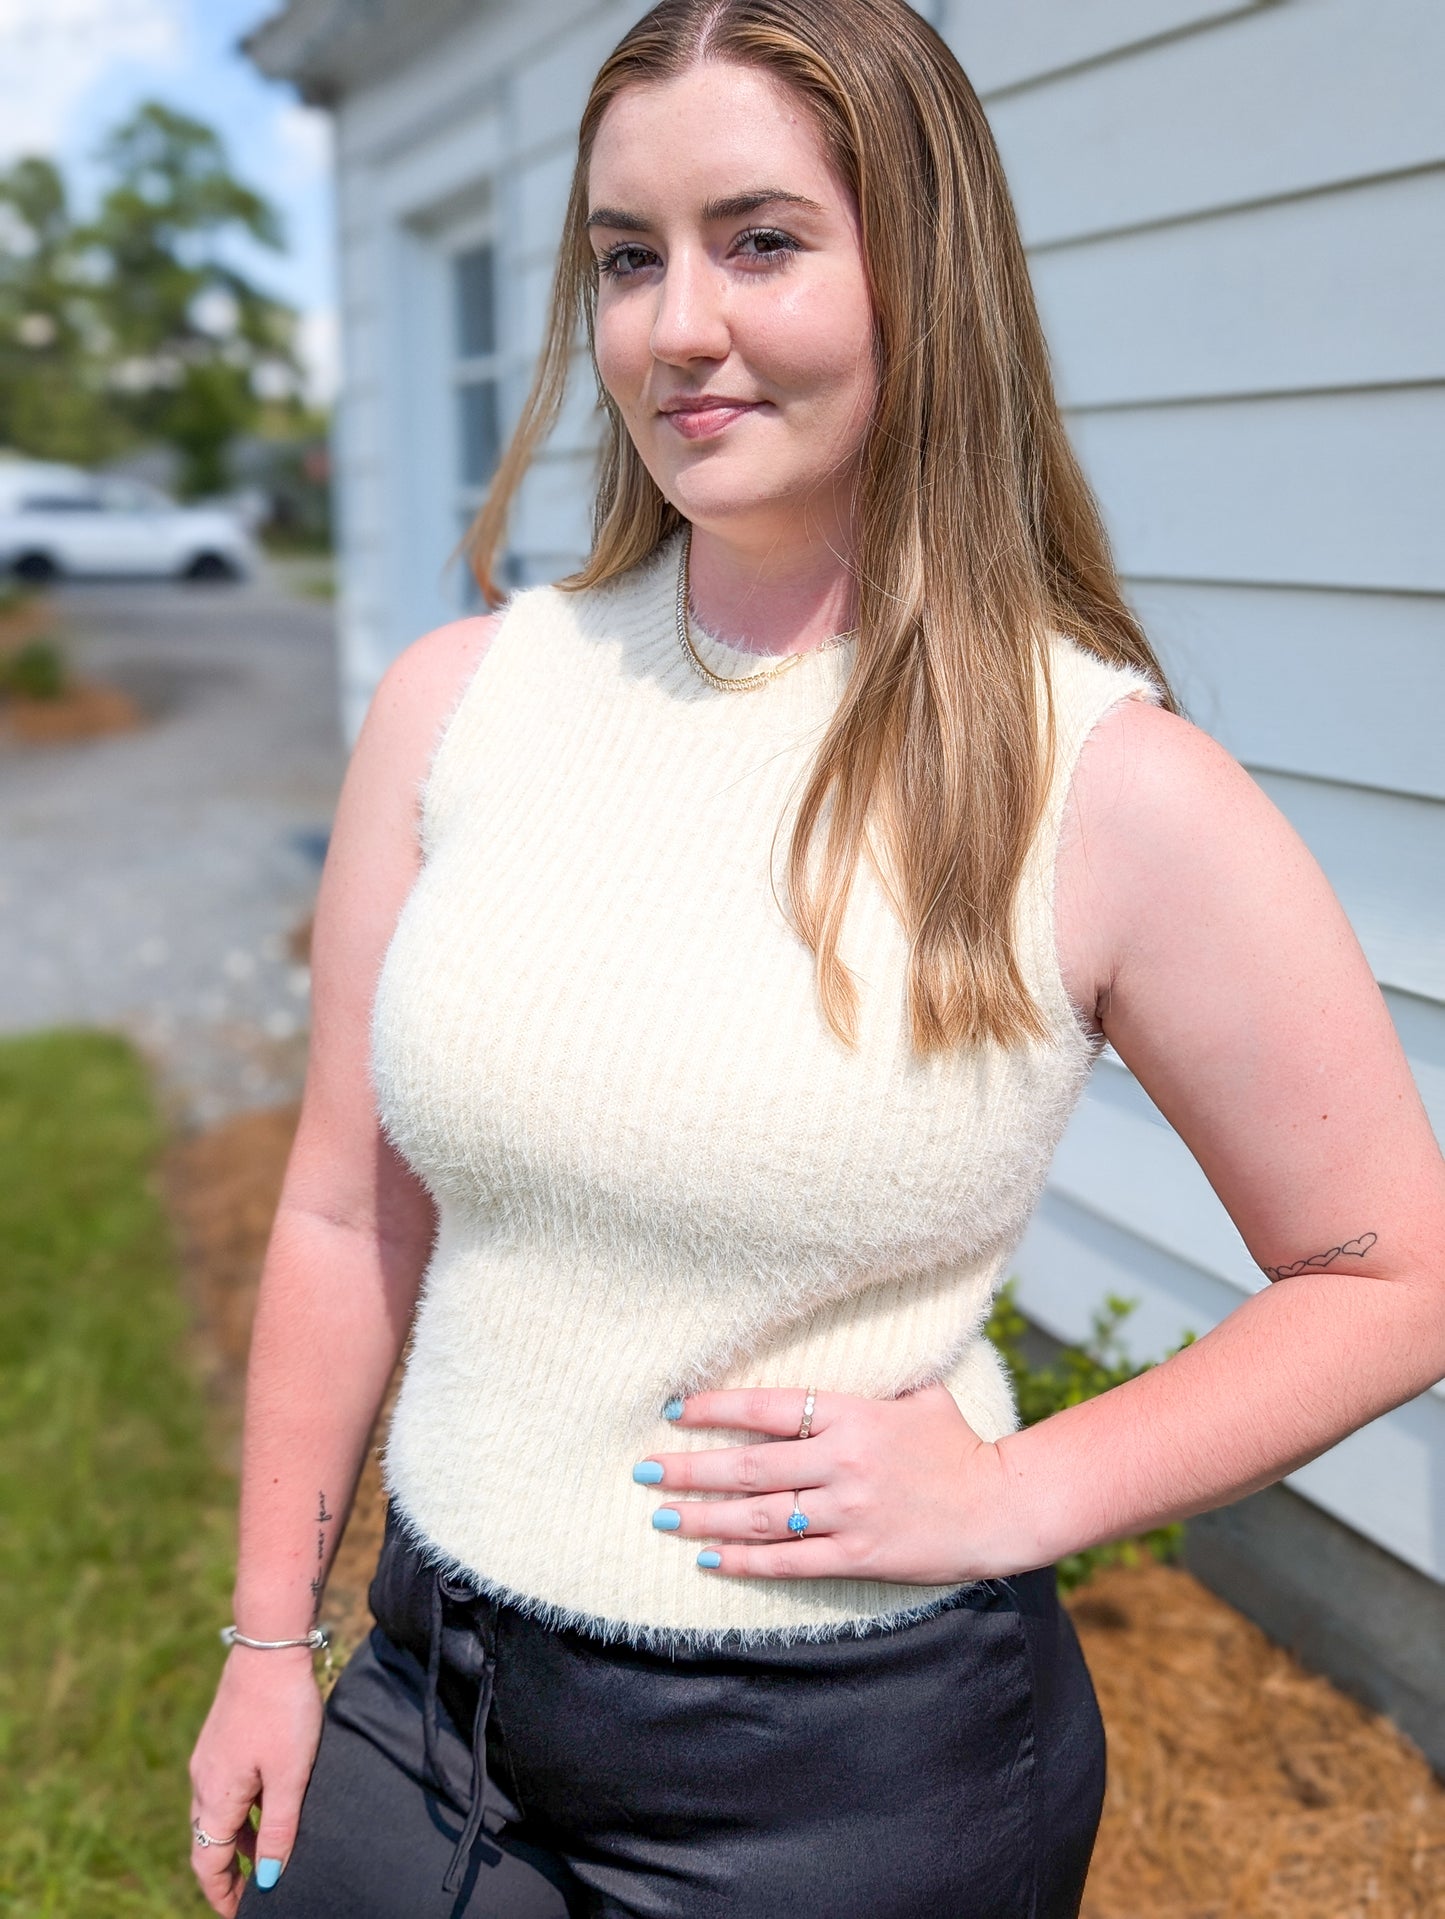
(1335, 291)
(1236, 223)
(1281, 100)
(1343, 489)
(1302, 681)
(1022, 43)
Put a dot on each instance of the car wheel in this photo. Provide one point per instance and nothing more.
(38, 569)
(211, 566)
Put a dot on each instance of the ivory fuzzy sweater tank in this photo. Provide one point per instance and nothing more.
(598, 1043)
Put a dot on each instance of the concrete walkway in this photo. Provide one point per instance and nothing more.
(149, 880)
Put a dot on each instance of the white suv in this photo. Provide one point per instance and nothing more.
(61, 521)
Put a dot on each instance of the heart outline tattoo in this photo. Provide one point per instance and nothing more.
(1351, 1249)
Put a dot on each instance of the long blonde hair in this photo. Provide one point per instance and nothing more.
(976, 531)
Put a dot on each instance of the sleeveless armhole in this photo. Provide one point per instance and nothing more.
(445, 773)
(1085, 690)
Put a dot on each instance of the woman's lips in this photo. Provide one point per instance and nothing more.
(704, 423)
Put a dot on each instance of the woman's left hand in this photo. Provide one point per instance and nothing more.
(895, 1489)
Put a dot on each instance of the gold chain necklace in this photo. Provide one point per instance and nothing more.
(728, 683)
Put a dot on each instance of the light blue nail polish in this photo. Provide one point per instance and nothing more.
(667, 1519)
(647, 1472)
(709, 1559)
(673, 1409)
(268, 1871)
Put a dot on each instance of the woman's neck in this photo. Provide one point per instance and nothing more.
(772, 595)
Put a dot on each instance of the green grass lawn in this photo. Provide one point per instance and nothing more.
(116, 1546)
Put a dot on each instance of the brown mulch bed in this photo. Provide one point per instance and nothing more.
(83, 711)
(1240, 1785)
(31, 617)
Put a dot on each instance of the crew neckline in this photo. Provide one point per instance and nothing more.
(739, 662)
(730, 661)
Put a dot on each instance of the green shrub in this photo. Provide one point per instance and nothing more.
(35, 671)
(1080, 1372)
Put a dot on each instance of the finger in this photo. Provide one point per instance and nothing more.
(220, 1887)
(827, 1557)
(776, 1410)
(772, 1466)
(215, 1865)
(217, 1875)
(764, 1518)
(276, 1834)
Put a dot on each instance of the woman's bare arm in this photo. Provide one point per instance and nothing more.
(1228, 979)
(347, 1250)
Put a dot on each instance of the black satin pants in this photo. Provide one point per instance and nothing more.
(477, 1765)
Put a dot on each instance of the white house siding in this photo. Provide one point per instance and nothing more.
(1235, 216)
(1236, 224)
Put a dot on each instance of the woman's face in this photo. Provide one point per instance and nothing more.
(734, 324)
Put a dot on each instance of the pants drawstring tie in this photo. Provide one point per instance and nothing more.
(443, 1588)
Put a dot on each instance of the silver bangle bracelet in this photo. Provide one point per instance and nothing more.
(318, 1640)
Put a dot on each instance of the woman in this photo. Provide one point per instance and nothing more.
(709, 953)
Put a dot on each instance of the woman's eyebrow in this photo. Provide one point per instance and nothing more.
(734, 206)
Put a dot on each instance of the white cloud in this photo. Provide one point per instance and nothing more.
(304, 134)
(319, 346)
(51, 52)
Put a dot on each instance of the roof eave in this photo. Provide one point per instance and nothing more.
(329, 48)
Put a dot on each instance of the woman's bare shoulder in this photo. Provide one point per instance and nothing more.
(423, 684)
(1154, 801)
(375, 851)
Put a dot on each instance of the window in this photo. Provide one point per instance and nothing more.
(476, 368)
(476, 380)
(131, 496)
(61, 503)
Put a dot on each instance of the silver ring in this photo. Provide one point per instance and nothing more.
(204, 1838)
(797, 1520)
(807, 1425)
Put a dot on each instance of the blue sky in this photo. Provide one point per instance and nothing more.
(70, 69)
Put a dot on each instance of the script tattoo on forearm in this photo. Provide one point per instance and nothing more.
(323, 1520)
(1352, 1249)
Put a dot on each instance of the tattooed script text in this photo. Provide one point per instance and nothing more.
(323, 1520)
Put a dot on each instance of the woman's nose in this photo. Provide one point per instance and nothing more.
(690, 322)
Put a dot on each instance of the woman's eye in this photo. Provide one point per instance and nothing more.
(612, 264)
(769, 242)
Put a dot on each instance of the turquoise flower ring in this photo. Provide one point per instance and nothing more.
(797, 1520)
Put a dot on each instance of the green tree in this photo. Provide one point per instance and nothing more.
(135, 325)
(193, 342)
(54, 400)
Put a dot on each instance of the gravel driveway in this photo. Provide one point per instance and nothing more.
(149, 880)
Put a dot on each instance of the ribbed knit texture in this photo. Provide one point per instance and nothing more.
(598, 1042)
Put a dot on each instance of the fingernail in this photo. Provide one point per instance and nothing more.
(667, 1519)
(709, 1559)
(647, 1472)
(268, 1871)
(673, 1409)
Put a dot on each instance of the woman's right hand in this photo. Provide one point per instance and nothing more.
(257, 1747)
